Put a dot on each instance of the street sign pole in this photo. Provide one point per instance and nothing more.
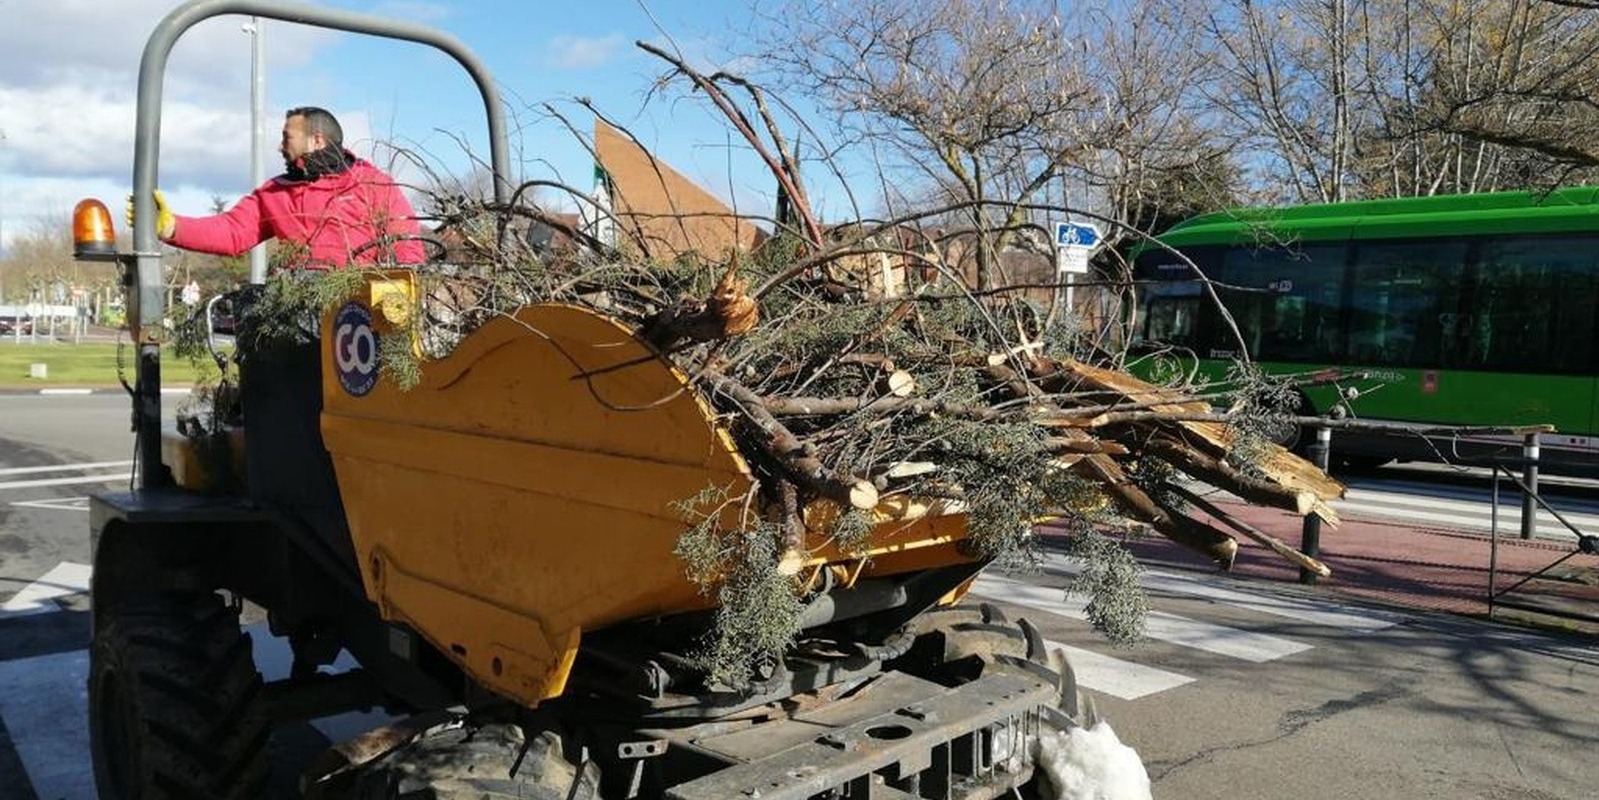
(1075, 242)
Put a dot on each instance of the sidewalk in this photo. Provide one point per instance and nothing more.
(1410, 566)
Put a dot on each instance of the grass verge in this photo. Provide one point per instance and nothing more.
(87, 364)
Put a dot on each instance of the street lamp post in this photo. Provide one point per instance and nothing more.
(257, 131)
(2, 221)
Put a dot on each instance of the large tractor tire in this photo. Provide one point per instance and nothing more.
(470, 761)
(172, 690)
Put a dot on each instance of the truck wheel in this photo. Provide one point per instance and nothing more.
(172, 684)
(467, 761)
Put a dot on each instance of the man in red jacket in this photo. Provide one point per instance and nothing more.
(336, 210)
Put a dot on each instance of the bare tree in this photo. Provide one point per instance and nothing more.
(1345, 99)
(987, 102)
(1162, 155)
(1289, 75)
(1521, 75)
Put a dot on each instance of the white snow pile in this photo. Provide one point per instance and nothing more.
(1092, 764)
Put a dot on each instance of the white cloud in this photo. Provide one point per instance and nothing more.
(79, 131)
(582, 52)
(68, 78)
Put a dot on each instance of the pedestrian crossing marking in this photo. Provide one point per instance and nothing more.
(1461, 514)
(115, 477)
(43, 699)
(1178, 630)
(39, 596)
(56, 504)
(84, 467)
(1446, 507)
(1127, 680)
(1289, 608)
(1333, 615)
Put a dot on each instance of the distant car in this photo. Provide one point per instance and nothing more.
(10, 325)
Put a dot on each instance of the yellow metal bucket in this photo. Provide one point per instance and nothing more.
(522, 493)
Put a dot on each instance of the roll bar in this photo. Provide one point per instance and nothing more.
(150, 297)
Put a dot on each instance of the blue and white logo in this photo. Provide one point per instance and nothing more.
(355, 349)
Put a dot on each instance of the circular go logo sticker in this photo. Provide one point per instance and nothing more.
(355, 349)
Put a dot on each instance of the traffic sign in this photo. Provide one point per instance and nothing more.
(1076, 234)
(1071, 260)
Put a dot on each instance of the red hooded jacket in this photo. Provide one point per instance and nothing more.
(332, 216)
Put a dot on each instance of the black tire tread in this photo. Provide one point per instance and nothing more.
(188, 674)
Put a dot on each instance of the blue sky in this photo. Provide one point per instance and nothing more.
(68, 67)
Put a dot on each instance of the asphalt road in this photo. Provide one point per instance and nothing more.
(54, 452)
(1242, 690)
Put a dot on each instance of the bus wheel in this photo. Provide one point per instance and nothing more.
(1297, 438)
(172, 689)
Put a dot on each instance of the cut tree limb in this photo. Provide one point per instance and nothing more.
(789, 453)
(1217, 472)
(1277, 546)
(793, 555)
(1279, 465)
(1190, 533)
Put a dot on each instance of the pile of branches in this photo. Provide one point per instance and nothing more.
(996, 405)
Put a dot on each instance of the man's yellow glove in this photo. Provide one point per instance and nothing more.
(165, 223)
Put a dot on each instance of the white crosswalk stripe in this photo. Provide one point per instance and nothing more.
(1455, 507)
(1128, 680)
(1178, 630)
(84, 467)
(1469, 510)
(39, 596)
(1318, 612)
(118, 475)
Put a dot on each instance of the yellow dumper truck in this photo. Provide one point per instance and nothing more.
(495, 548)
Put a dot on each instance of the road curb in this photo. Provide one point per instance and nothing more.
(79, 391)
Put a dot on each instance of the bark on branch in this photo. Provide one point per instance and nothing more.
(788, 452)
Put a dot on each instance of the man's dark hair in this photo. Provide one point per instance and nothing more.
(319, 120)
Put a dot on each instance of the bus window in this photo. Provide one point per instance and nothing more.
(1534, 304)
(1286, 301)
(1172, 302)
(1170, 314)
(1405, 303)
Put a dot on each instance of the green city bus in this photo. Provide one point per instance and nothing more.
(1464, 310)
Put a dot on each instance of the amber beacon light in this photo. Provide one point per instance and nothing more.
(92, 234)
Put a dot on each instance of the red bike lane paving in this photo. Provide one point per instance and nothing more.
(1410, 566)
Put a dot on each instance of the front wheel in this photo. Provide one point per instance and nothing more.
(172, 689)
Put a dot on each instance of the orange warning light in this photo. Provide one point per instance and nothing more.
(92, 235)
